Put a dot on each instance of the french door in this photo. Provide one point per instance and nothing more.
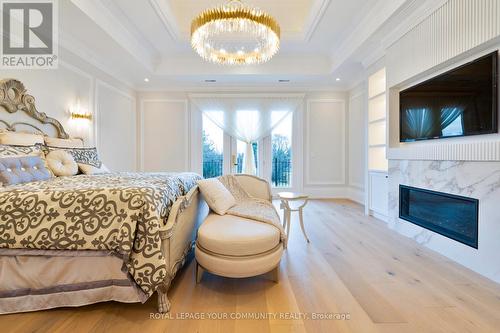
(223, 154)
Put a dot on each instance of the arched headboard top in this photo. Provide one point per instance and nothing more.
(14, 98)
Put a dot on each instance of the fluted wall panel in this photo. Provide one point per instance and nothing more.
(454, 28)
(456, 32)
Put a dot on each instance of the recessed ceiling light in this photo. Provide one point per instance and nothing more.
(283, 80)
(337, 79)
(211, 81)
(146, 79)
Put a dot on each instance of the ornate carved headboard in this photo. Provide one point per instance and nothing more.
(18, 112)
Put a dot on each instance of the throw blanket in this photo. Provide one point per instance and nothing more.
(250, 207)
(118, 212)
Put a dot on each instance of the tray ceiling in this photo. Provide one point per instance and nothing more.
(321, 40)
(291, 14)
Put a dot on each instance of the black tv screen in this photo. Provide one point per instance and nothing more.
(460, 102)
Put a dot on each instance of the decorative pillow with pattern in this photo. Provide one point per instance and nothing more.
(87, 159)
(18, 150)
(86, 156)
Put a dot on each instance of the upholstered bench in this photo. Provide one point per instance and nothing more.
(237, 247)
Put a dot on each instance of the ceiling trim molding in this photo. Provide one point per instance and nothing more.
(373, 20)
(317, 12)
(413, 17)
(85, 54)
(246, 95)
(410, 16)
(373, 56)
(164, 12)
(108, 19)
(262, 89)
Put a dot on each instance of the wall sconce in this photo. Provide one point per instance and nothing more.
(78, 113)
(86, 116)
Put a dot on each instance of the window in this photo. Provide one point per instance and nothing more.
(281, 140)
(213, 143)
(455, 128)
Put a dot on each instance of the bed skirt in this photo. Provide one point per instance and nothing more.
(32, 280)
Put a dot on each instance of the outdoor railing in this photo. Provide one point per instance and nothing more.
(282, 172)
(212, 168)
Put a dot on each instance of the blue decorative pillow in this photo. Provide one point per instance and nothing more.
(22, 169)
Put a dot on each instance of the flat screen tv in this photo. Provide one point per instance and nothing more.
(460, 102)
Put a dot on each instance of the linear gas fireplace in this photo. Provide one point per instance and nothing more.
(453, 216)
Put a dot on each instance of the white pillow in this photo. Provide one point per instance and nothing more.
(217, 196)
(62, 163)
(64, 143)
(92, 170)
(21, 139)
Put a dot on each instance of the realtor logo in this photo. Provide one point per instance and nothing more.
(29, 32)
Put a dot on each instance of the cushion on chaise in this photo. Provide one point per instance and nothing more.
(236, 236)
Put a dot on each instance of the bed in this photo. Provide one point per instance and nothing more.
(78, 240)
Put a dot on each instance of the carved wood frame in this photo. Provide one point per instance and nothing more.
(14, 98)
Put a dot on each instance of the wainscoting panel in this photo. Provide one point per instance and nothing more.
(164, 127)
(116, 127)
(325, 153)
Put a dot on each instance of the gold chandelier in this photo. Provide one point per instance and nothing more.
(235, 34)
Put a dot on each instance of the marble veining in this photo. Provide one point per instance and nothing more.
(479, 180)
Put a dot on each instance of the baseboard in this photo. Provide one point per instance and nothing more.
(357, 194)
(379, 216)
(342, 192)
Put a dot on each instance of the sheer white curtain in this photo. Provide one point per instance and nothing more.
(247, 118)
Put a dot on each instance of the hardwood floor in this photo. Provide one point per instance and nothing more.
(353, 265)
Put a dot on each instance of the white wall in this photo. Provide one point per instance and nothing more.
(116, 123)
(170, 139)
(164, 135)
(56, 90)
(325, 145)
(111, 103)
(158, 131)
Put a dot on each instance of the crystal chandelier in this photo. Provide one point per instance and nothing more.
(235, 34)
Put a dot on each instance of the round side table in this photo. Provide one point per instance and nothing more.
(287, 198)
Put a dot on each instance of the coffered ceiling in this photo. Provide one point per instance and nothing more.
(322, 40)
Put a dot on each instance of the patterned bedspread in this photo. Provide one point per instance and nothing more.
(119, 212)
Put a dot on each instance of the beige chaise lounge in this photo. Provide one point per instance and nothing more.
(237, 247)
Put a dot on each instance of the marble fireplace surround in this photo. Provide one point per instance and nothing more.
(476, 179)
